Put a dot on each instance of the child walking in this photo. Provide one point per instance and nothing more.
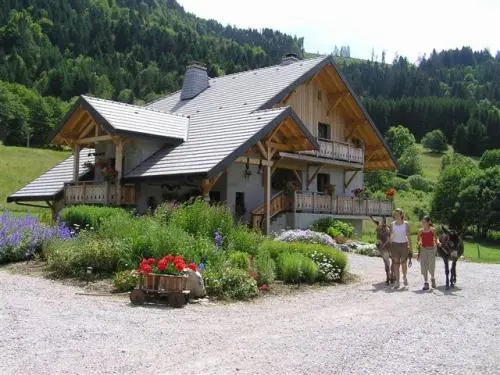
(427, 242)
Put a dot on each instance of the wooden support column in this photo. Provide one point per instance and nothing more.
(76, 162)
(267, 196)
(119, 169)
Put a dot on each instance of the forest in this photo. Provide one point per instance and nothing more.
(134, 51)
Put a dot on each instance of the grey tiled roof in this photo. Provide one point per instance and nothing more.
(224, 117)
(215, 143)
(51, 183)
(141, 120)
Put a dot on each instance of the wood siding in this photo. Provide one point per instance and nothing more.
(311, 104)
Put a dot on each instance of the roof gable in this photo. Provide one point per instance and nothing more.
(124, 119)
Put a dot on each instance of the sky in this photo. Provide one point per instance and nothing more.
(404, 27)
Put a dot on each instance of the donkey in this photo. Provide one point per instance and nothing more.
(451, 247)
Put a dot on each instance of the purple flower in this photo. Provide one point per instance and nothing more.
(218, 239)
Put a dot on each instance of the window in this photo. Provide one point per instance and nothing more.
(239, 206)
(324, 131)
(323, 180)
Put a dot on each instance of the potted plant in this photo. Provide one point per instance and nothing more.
(358, 192)
(390, 193)
(100, 163)
(168, 273)
(109, 174)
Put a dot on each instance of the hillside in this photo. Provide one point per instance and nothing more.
(129, 50)
(18, 167)
(136, 50)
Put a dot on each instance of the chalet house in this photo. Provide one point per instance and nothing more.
(282, 146)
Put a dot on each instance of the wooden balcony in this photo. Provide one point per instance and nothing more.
(324, 203)
(99, 193)
(321, 203)
(336, 150)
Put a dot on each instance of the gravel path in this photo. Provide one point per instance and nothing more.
(361, 328)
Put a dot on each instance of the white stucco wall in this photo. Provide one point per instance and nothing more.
(357, 182)
(336, 178)
(252, 187)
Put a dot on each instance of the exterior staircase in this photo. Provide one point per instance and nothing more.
(280, 203)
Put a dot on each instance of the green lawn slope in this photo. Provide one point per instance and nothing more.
(18, 167)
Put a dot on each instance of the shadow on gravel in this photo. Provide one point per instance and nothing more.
(442, 289)
(157, 306)
(383, 287)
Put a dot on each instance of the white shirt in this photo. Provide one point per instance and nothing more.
(399, 232)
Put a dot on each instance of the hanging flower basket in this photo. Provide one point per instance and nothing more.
(390, 193)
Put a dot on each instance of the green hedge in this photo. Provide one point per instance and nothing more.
(296, 268)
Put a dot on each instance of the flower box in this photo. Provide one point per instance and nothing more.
(168, 283)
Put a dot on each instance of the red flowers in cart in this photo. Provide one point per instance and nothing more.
(168, 265)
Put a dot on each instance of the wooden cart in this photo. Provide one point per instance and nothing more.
(157, 288)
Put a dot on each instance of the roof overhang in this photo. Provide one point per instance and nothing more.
(90, 118)
(382, 157)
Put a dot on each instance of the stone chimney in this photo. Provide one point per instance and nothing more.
(289, 58)
(195, 81)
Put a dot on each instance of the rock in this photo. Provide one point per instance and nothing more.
(344, 248)
(195, 284)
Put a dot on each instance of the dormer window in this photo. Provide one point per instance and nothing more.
(324, 131)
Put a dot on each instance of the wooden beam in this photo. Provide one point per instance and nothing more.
(273, 133)
(208, 183)
(356, 121)
(335, 100)
(262, 150)
(346, 184)
(253, 161)
(76, 162)
(373, 148)
(299, 176)
(94, 139)
(87, 128)
(119, 169)
(313, 176)
(351, 132)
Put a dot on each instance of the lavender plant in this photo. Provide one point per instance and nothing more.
(22, 236)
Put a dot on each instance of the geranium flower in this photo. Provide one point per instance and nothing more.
(151, 261)
(170, 258)
(192, 266)
(162, 264)
(179, 266)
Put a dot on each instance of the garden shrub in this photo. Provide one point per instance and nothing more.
(239, 259)
(230, 282)
(125, 281)
(296, 268)
(420, 183)
(400, 184)
(265, 267)
(331, 263)
(325, 223)
(243, 239)
(72, 257)
(203, 220)
(165, 210)
(85, 216)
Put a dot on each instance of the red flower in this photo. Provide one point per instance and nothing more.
(151, 261)
(178, 258)
(264, 287)
(192, 266)
(145, 267)
(162, 264)
(179, 266)
(169, 258)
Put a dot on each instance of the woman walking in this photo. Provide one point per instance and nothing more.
(427, 245)
(401, 249)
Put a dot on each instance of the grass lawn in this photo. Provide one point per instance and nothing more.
(489, 252)
(19, 166)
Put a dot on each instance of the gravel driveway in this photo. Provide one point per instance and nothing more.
(361, 328)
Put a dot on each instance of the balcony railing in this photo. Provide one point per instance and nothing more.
(337, 150)
(99, 193)
(324, 203)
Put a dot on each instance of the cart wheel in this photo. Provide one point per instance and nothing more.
(176, 299)
(137, 297)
